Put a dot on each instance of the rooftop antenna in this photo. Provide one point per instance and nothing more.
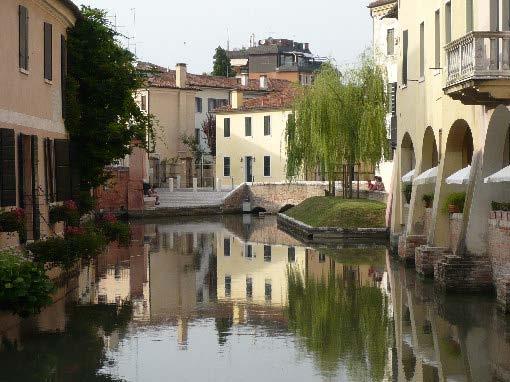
(228, 40)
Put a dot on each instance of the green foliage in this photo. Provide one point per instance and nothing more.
(428, 199)
(193, 145)
(24, 287)
(330, 211)
(339, 120)
(114, 230)
(86, 202)
(500, 206)
(14, 221)
(78, 243)
(341, 322)
(101, 114)
(407, 190)
(63, 213)
(456, 199)
(221, 65)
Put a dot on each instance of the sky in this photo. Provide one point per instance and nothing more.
(166, 32)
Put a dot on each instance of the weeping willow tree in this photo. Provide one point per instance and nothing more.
(339, 122)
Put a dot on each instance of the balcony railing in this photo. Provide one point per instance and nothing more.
(478, 56)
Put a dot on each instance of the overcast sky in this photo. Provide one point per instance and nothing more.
(171, 31)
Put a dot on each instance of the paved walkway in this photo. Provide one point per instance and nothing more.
(186, 198)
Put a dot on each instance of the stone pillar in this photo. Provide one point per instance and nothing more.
(407, 245)
(467, 274)
(171, 184)
(178, 182)
(426, 258)
(503, 294)
(195, 184)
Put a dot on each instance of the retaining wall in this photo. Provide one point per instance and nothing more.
(499, 254)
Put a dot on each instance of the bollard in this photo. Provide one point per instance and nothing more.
(195, 184)
(218, 184)
(171, 184)
(178, 182)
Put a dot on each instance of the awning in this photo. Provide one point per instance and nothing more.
(460, 177)
(408, 178)
(427, 177)
(499, 177)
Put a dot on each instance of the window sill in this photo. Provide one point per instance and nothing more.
(24, 71)
(49, 82)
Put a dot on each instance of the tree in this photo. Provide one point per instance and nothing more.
(209, 129)
(102, 117)
(339, 122)
(221, 66)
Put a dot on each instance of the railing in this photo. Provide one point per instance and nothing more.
(478, 56)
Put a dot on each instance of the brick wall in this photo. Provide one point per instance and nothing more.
(122, 192)
(455, 228)
(427, 220)
(499, 254)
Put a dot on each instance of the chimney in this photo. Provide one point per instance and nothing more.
(244, 79)
(180, 75)
(237, 99)
(263, 82)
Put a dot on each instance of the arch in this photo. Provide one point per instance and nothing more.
(496, 155)
(430, 154)
(407, 154)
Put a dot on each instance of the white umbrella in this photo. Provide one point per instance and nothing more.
(408, 178)
(426, 177)
(460, 177)
(499, 177)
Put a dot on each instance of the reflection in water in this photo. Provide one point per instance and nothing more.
(234, 298)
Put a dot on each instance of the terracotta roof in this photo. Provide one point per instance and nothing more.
(166, 79)
(379, 3)
(278, 100)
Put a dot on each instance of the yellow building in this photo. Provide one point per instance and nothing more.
(453, 88)
(250, 139)
(34, 154)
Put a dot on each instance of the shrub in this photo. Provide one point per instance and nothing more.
(67, 213)
(114, 230)
(14, 221)
(24, 287)
(500, 206)
(78, 243)
(408, 190)
(456, 199)
(86, 203)
(428, 199)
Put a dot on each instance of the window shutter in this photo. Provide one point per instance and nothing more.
(21, 170)
(62, 170)
(8, 168)
(63, 72)
(23, 37)
(48, 51)
(36, 213)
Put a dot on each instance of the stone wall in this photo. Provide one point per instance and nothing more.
(499, 254)
(427, 257)
(407, 245)
(455, 228)
(427, 220)
(463, 274)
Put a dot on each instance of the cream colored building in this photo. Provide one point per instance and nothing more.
(453, 88)
(33, 68)
(250, 139)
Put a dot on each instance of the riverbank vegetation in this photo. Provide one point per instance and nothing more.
(329, 211)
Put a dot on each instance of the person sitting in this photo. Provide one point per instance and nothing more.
(379, 185)
(149, 191)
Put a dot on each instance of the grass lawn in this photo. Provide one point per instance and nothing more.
(328, 211)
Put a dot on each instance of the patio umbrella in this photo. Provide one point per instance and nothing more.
(408, 178)
(499, 177)
(460, 177)
(426, 177)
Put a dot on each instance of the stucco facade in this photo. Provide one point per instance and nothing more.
(31, 116)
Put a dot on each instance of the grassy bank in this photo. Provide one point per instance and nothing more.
(327, 211)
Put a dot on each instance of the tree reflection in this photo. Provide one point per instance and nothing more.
(341, 322)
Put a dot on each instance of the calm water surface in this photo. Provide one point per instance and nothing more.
(233, 299)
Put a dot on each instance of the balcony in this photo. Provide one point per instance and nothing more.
(479, 68)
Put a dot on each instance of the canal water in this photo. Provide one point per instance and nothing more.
(235, 299)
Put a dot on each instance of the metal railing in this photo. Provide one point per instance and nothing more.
(478, 56)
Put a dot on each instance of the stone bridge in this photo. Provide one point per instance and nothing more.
(272, 197)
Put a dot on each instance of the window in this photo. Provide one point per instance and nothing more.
(23, 37)
(143, 105)
(291, 254)
(198, 104)
(437, 43)
(448, 22)
(392, 91)
(249, 288)
(248, 251)
(226, 127)
(422, 50)
(226, 166)
(267, 125)
(226, 247)
(390, 42)
(228, 286)
(268, 290)
(211, 104)
(469, 16)
(197, 136)
(8, 166)
(48, 52)
(247, 126)
(494, 17)
(267, 253)
(267, 166)
(404, 57)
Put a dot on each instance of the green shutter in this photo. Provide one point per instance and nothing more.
(36, 213)
(62, 170)
(23, 37)
(8, 168)
(48, 51)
